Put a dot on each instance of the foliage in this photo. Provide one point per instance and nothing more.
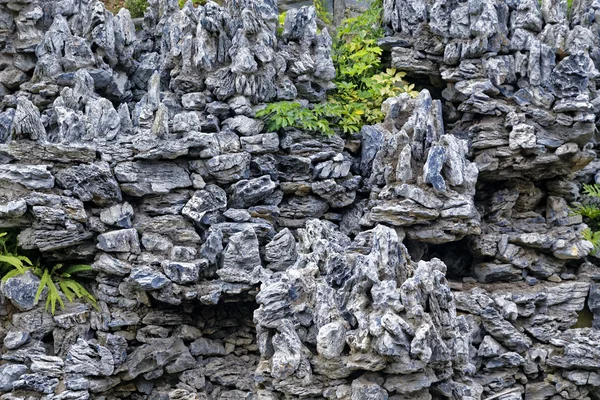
(590, 211)
(9, 258)
(281, 22)
(322, 12)
(592, 237)
(361, 85)
(195, 2)
(137, 8)
(58, 280)
(592, 190)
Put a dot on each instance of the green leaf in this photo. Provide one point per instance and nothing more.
(13, 261)
(66, 291)
(74, 269)
(12, 274)
(43, 283)
(592, 190)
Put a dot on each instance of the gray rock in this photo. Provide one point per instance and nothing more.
(433, 167)
(29, 123)
(229, 168)
(121, 241)
(152, 356)
(363, 389)
(281, 251)
(211, 198)
(141, 178)
(330, 339)
(37, 383)
(148, 278)
(259, 144)
(89, 359)
(21, 290)
(9, 374)
(207, 347)
(244, 126)
(111, 265)
(47, 365)
(30, 176)
(242, 251)
(247, 193)
(118, 215)
(15, 339)
(91, 182)
(182, 272)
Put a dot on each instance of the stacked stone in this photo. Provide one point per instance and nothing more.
(520, 88)
(232, 262)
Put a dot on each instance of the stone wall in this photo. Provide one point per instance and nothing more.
(430, 256)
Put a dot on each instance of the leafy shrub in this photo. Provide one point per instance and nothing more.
(322, 12)
(361, 86)
(137, 8)
(281, 21)
(12, 264)
(9, 258)
(590, 211)
(195, 2)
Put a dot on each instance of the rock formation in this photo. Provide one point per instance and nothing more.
(430, 256)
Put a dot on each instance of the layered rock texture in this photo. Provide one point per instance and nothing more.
(431, 256)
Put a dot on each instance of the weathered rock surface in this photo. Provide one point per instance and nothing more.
(433, 255)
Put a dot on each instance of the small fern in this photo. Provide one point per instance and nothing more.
(590, 211)
(9, 259)
(592, 237)
(62, 277)
(58, 280)
(591, 190)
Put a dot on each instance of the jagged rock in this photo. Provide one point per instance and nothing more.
(211, 198)
(37, 383)
(281, 251)
(207, 347)
(152, 356)
(148, 279)
(89, 359)
(229, 168)
(142, 178)
(16, 339)
(30, 176)
(121, 241)
(92, 182)
(9, 374)
(21, 290)
(182, 272)
(27, 122)
(242, 251)
(244, 126)
(480, 174)
(47, 365)
(259, 144)
(118, 215)
(111, 265)
(247, 193)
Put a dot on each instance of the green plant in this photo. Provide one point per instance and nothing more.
(590, 211)
(322, 12)
(196, 3)
(58, 280)
(137, 8)
(361, 85)
(9, 258)
(281, 21)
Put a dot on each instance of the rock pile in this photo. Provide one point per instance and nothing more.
(430, 256)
